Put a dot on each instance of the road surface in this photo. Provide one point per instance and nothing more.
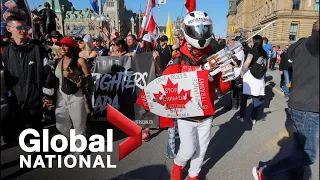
(234, 148)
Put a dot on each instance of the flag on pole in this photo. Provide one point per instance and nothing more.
(151, 26)
(153, 30)
(147, 16)
(190, 5)
(169, 32)
(94, 5)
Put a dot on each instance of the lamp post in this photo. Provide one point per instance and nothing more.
(158, 14)
(117, 14)
(99, 17)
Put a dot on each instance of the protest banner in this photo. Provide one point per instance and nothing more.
(178, 95)
(119, 80)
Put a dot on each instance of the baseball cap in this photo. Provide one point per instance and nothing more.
(147, 38)
(237, 38)
(163, 38)
(67, 41)
(87, 38)
(55, 34)
(99, 38)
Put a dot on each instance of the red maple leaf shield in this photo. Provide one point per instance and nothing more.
(172, 99)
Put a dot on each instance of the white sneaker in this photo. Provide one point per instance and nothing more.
(240, 119)
(254, 122)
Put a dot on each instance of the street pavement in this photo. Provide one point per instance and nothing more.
(234, 148)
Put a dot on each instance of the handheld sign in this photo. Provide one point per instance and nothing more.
(178, 95)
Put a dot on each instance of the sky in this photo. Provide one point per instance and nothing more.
(217, 10)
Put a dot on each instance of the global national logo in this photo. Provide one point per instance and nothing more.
(77, 144)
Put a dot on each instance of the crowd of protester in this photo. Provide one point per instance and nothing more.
(56, 73)
(82, 51)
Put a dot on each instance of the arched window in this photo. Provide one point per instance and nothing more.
(295, 4)
(91, 26)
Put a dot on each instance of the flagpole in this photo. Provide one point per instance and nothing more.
(159, 14)
(100, 11)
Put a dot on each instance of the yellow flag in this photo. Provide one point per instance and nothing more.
(169, 32)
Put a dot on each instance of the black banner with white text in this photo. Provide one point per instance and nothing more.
(119, 81)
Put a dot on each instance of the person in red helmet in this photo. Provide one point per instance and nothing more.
(194, 132)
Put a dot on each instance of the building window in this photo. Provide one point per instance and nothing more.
(317, 5)
(293, 32)
(91, 26)
(296, 4)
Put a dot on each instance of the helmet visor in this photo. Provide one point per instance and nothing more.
(198, 32)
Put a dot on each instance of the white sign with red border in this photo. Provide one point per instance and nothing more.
(178, 95)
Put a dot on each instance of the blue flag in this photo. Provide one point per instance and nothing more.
(95, 5)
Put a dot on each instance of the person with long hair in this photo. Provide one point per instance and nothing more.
(87, 51)
(146, 43)
(119, 47)
(253, 86)
(74, 76)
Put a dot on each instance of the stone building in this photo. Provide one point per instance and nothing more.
(294, 19)
(78, 22)
(231, 18)
(60, 7)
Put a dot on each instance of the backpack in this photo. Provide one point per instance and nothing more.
(259, 67)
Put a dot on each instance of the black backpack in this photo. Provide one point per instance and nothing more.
(259, 67)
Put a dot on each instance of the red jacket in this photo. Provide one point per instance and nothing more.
(183, 62)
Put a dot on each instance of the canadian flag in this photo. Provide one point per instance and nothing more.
(148, 21)
(190, 5)
(151, 26)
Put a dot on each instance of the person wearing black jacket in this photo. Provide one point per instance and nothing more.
(29, 79)
(285, 68)
(303, 109)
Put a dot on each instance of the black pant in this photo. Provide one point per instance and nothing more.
(19, 121)
(243, 107)
(236, 90)
(273, 63)
(282, 80)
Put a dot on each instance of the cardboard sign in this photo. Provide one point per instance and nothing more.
(178, 95)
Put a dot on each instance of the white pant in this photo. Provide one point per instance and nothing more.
(71, 113)
(194, 140)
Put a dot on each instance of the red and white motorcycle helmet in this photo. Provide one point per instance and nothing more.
(197, 29)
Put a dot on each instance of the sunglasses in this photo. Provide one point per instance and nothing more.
(20, 28)
(112, 44)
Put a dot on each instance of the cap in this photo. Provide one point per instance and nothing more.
(79, 38)
(87, 38)
(237, 38)
(163, 38)
(55, 33)
(67, 41)
(99, 38)
(147, 38)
